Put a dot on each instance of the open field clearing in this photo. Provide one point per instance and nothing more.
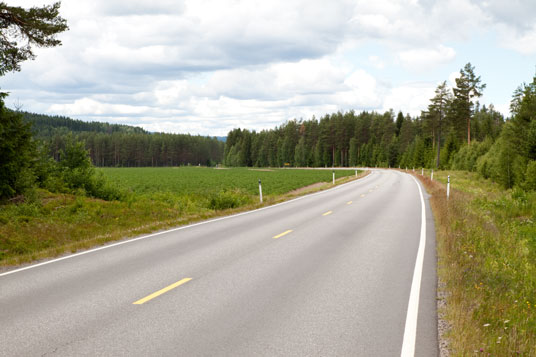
(487, 264)
(201, 180)
(48, 225)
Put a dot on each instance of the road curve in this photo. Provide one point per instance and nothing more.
(327, 274)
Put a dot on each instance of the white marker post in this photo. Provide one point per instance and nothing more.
(355, 173)
(448, 187)
(422, 171)
(334, 177)
(432, 175)
(260, 190)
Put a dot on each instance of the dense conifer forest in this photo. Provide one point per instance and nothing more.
(454, 132)
(123, 145)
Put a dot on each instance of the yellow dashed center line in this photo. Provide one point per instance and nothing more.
(349, 202)
(282, 234)
(162, 291)
(327, 213)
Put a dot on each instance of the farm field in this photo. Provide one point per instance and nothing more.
(49, 225)
(202, 180)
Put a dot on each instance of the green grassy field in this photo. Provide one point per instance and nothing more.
(200, 180)
(47, 224)
(487, 264)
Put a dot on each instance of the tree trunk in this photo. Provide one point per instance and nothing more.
(333, 155)
(438, 141)
(469, 131)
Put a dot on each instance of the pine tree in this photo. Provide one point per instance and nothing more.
(37, 26)
(468, 86)
(436, 113)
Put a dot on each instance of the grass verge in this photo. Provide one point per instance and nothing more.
(486, 241)
(50, 225)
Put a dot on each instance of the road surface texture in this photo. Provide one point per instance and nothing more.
(328, 274)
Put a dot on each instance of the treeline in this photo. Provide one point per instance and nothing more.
(455, 132)
(123, 145)
(47, 125)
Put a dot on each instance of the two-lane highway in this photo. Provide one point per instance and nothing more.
(328, 274)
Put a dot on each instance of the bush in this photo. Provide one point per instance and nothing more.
(74, 173)
(487, 165)
(228, 199)
(467, 157)
(530, 176)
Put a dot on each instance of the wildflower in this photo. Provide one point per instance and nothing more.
(486, 325)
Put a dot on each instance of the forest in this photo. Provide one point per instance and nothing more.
(114, 145)
(454, 132)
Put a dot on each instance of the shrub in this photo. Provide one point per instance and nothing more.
(74, 173)
(467, 157)
(530, 176)
(228, 199)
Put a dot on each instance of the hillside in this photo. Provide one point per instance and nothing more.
(46, 125)
(120, 145)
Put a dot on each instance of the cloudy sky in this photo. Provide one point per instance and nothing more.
(205, 67)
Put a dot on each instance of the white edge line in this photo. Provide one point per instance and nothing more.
(410, 330)
(179, 228)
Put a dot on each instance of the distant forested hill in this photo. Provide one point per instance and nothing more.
(46, 125)
(124, 145)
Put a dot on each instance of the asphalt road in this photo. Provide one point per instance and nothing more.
(328, 274)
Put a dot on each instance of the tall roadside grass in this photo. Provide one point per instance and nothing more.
(487, 265)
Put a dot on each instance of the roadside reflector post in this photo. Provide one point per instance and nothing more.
(448, 187)
(432, 175)
(334, 177)
(422, 171)
(355, 173)
(260, 190)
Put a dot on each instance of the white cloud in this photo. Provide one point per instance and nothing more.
(363, 91)
(514, 13)
(376, 62)
(206, 66)
(91, 107)
(420, 59)
(452, 78)
(522, 41)
(410, 98)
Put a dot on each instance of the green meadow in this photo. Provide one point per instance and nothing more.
(48, 224)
